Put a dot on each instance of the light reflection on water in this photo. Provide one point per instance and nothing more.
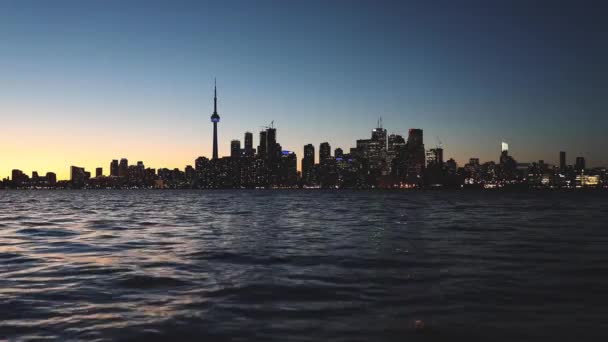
(302, 265)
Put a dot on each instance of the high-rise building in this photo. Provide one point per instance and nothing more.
(415, 138)
(18, 177)
(562, 160)
(288, 170)
(271, 144)
(248, 144)
(215, 118)
(338, 153)
(77, 176)
(123, 168)
(580, 163)
(51, 178)
(235, 148)
(416, 158)
(308, 164)
(98, 172)
(434, 156)
(379, 136)
(262, 147)
(324, 152)
(114, 168)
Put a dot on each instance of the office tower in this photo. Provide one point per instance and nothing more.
(394, 141)
(271, 143)
(114, 168)
(98, 172)
(18, 177)
(434, 156)
(262, 146)
(288, 169)
(200, 164)
(580, 163)
(235, 148)
(379, 135)
(51, 178)
(123, 168)
(508, 165)
(416, 158)
(77, 176)
(562, 160)
(248, 144)
(308, 164)
(190, 173)
(451, 166)
(395, 144)
(324, 152)
(215, 118)
(414, 137)
(338, 153)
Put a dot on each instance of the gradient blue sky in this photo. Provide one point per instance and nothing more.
(84, 82)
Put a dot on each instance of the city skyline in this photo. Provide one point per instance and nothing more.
(85, 83)
(562, 160)
(386, 161)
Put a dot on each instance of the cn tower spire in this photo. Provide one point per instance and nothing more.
(214, 96)
(215, 118)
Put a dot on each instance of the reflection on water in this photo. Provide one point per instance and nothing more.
(302, 266)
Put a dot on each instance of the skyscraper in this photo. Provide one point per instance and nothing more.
(434, 156)
(262, 146)
(324, 152)
(114, 168)
(123, 168)
(248, 144)
(562, 160)
(215, 118)
(98, 172)
(77, 176)
(415, 147)
(580, 163)
(235, 148)
(308, 164)
(338, 153)
(271, 144)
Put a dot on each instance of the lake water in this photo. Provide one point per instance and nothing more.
(303, 265)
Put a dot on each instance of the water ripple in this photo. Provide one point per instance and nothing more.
(302, 266)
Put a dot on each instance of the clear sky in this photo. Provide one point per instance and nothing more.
(84, 82)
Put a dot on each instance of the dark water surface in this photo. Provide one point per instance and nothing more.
(303, 266)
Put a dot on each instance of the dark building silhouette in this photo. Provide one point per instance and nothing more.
(215, 118)
(562, 160)
(262, 147)
(415, 146)
(435, 157)
(324, 153)
(19, 178)
(78, 177)
(98, 172)
(580, 164)
(114, 168)
(338, 153)
(235, 148)
(308, 165)
(249, 151)
(123, 168)
(51, 178)
(288, 169)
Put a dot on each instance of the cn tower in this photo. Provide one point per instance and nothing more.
(215, 118)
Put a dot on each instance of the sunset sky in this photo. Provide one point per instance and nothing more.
(85, 82)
